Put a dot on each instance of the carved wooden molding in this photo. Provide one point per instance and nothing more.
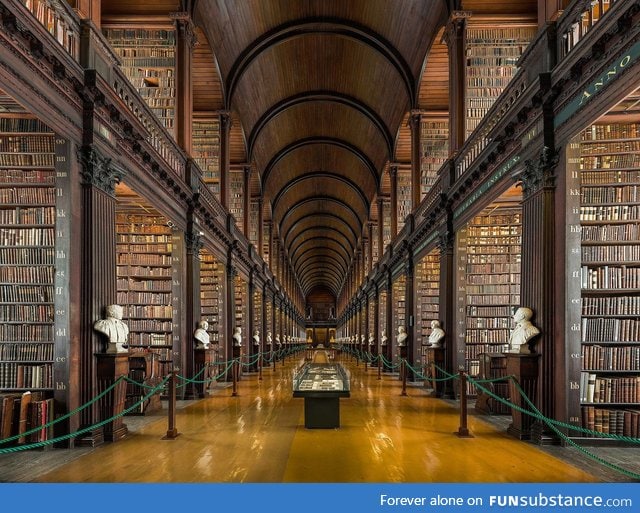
(99, 171)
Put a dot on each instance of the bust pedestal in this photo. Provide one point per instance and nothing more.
(204, 359)
(524, 367)
(110, 367)
(434, 356)
(402, 352)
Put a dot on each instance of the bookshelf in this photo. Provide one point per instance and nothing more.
(382, 322)
(386, 226)
(240, 308)
(266, 243)
(205, 150)
(489, 260)
(28, 299)
(148, 60)
(375, 253)
(253, 223)
(434, 150)
(404, 195)
(146, 253)
(427, 280)
(610, 277)
(492, 53)
(236, 196)
(211, 297)
(399, 308)
(257, 318)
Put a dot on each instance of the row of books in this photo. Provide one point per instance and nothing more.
(474, 310)
(610, 277)
(126, 284)
(614, 305)
(27, 256)
(28, 215)
(139, 325)
(611, 232)
(143, 298)
(614, 161)
(491, 249)
(140, 37)
(486, 336)
(26, 144)
(498, 231)
(612, 421)
(18, 375)
(27, 274)
(605, 147)
(26, 293)
(138, 238)
(489, 322)
(150, 339)
(142, 259)
(26, 313)
(494, 299)
(610, 194)
(489, 290)
(510, 269)
(610, 213)
(493, 258)
(140, 272)
(495, 278)
(27, 176)
(611, 253)
(149, 311)
(23, 125)
(610, 330)
(28, 195)
(27, 237)
(489, 87)
(26, 352)
(611, 131)
(596, 357)
(139, 225)
(26, 159)
(26, 332)
(158, 247)
(604, 389)
(22, 412)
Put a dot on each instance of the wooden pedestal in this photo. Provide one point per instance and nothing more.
(493, 366)
(524, 367)
(204, 359)
(434, 356)
(110, 368)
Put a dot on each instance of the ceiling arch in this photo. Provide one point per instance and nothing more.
(323, 251)
(316, 219)
(334, 27)
(317, 233)
(321, 96)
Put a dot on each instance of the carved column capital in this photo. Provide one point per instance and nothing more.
(185, 27)
(455, 25)
(539, 174)
(193, 242)
(98, 170)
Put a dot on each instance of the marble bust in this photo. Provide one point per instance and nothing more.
(114, 329)
(237, 336)
(402, 336)
(201, 335)
(436, 335)
(523, 332)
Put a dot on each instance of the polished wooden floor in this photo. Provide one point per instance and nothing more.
(259, 436)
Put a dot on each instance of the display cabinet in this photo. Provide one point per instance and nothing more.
(321, 385)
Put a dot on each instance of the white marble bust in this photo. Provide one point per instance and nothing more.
(202, 336)
(383, 338)
(256, 338)
(114, 329)
(371, 340)
(436, 335)
(523, 332)
(237, 336)
(402, 336)
(269, 338)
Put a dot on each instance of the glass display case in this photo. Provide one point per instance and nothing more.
(321, 385)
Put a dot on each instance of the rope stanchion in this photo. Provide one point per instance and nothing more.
(379, 367)
(403, 372)
(260, 365)
(463, 431)
(172, 431)
(235, 367)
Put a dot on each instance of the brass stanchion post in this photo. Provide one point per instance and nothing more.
(234, 375)
(463, 432)
(403, 371)
(172, 431)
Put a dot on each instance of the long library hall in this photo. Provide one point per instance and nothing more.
(319, 241)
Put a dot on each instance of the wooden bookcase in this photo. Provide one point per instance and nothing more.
(236, 196)
(404, 195)
(434, 150)
(399, 308)
(492, 52)
(30, 250)
(386, 226)
(375, 253)
(253, 223)
(257, 318)
(205, 150)
(266, 243)
(148, 59)
(488, 261)
(427, 283)
(212, 298)
(149, 258)
(609, 197)
(240, 308)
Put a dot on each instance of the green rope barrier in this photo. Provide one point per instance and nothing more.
(66, 415)
(208, 380)
(428, 378)
(442, 371)
(552, 423)
(51, 441)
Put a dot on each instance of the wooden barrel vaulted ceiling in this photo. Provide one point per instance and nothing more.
(319, 92)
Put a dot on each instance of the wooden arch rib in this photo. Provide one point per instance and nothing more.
(324, 261)
(319, 217)
(320, 96)
(324, 251)
(329, 199)
(317, 282)
(329, 244)
(344, 241)
(324, 271)
(332, 141)
(320, 174)
(332, 26)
